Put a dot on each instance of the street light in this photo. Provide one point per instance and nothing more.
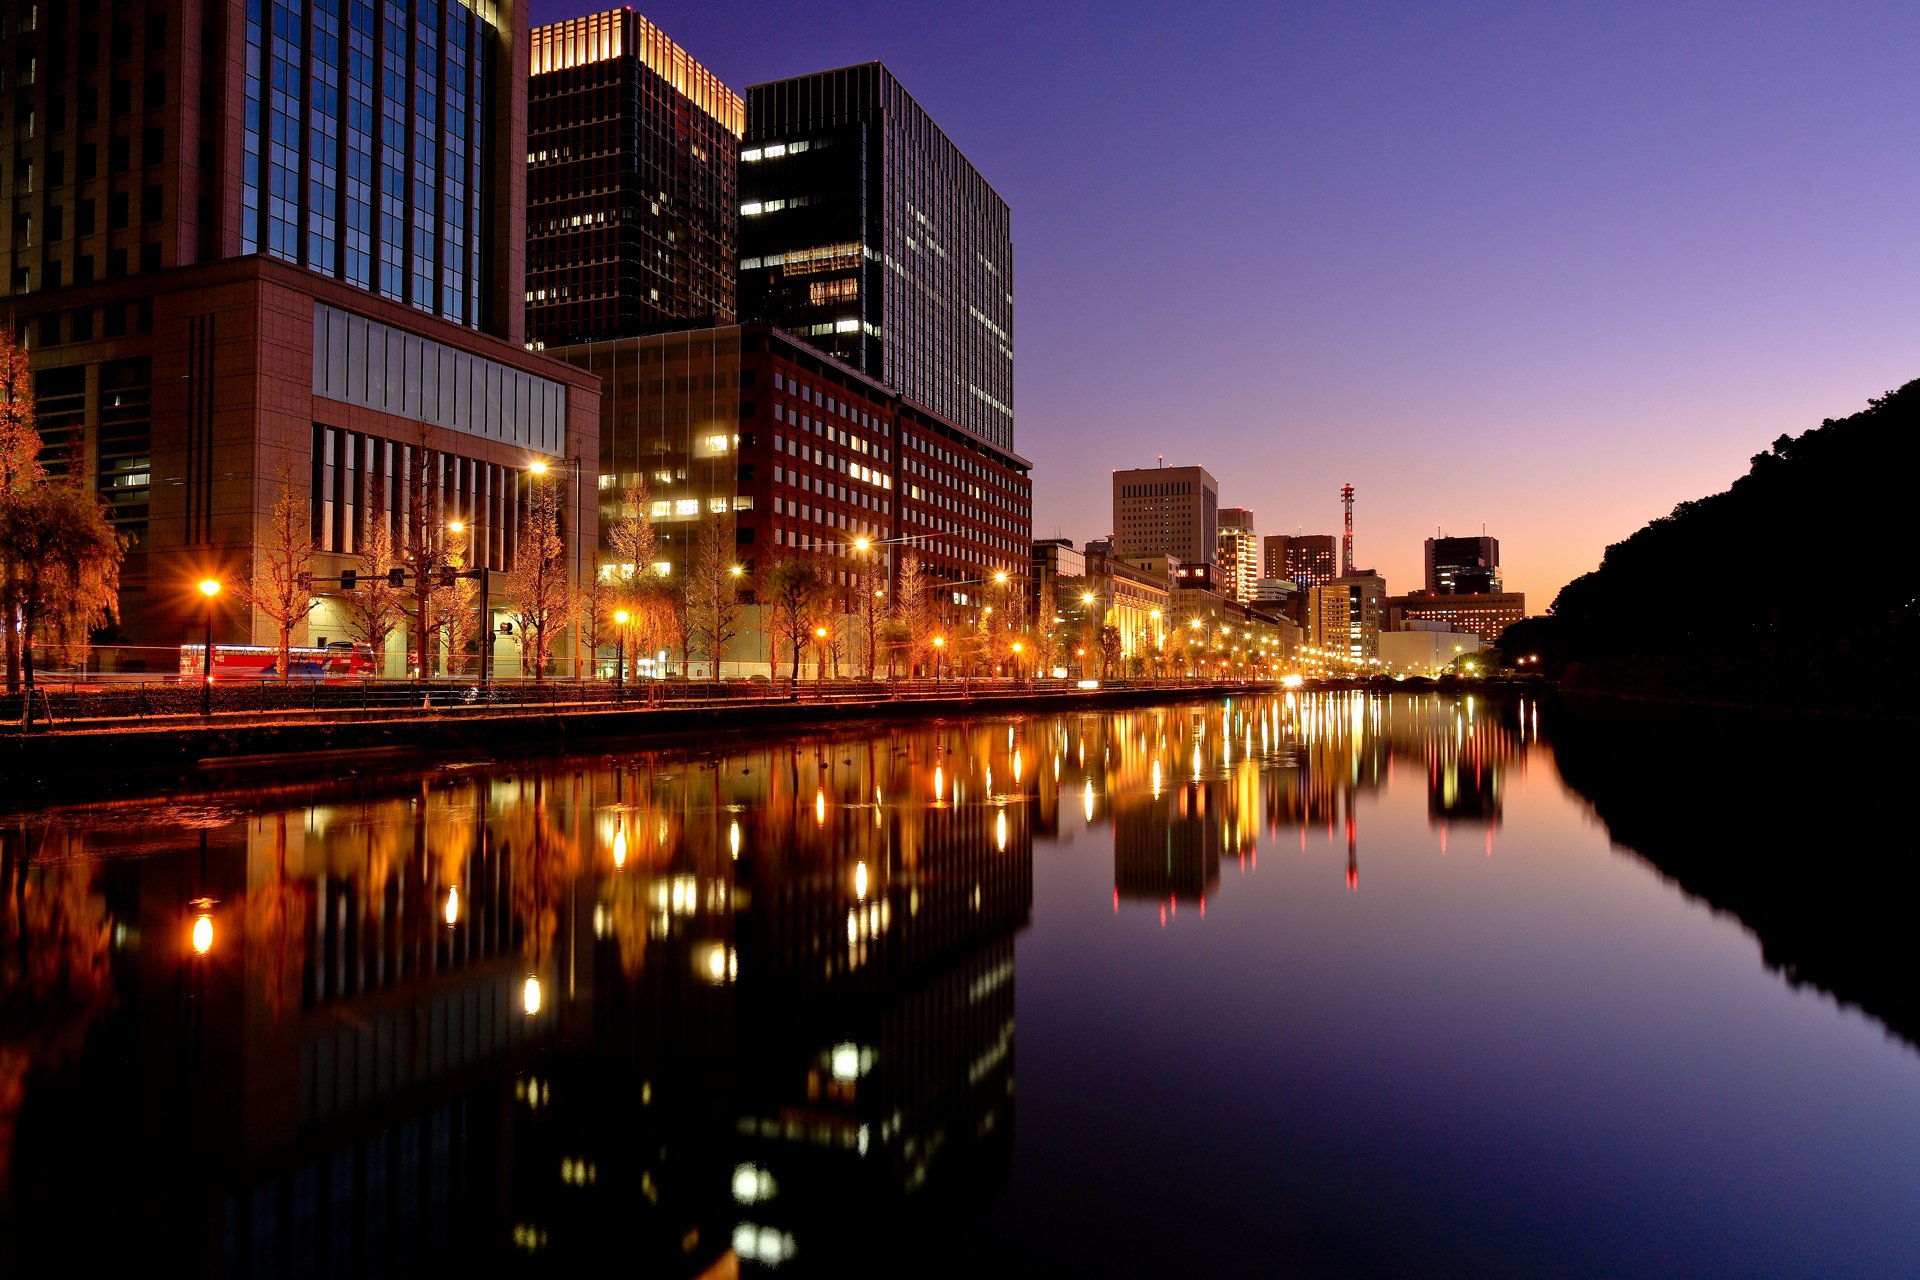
(939, 643)
(209, 587)
(819, 653)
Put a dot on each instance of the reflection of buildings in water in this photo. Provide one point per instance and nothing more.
(877, 1120)
(1169, 848)
(1288, 764)
(288, 1063)
(810, 911)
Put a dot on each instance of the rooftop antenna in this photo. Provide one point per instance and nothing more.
(1346, 543)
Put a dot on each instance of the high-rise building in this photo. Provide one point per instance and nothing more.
(633, 204)
(1463, 566)
(865, 232)
(1239, 553)
(1344, 617)
(272, 239)
(1310, 560)
(1174, 510)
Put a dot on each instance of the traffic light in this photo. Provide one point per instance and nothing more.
(396, 577)
(349, 579)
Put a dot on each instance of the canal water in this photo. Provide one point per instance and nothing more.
(1331, 985)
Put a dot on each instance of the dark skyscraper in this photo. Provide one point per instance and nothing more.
(1463, 566)
(865, 232)
(1308, 559)
(362, 141)
(632, 159)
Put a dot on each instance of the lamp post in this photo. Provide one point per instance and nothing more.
(939, 643)
(819, 653)
(209, 588)
(620, 617)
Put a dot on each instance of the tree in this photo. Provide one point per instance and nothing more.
(1109, 641)
(537, 591)
(635, 548)
(712, 597)
(1046, 641)
(63, 563)
(281, 584)
(872, 611)
(596, 608)
(374, 607)
(632, 541)
(795, 588)
(913, 611)
(423, 545)
(455, 609)
(20, 469)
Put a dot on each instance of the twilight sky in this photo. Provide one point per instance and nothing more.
(1550, 268)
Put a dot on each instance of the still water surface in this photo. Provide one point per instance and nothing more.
(1332, 985)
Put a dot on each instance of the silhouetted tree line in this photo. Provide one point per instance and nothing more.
(1796, 587)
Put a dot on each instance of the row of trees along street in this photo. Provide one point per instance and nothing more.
(59, 555)
(60, 574)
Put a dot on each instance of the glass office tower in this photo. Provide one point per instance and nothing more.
(865, 232)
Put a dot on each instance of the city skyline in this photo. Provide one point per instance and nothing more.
(1556, 279)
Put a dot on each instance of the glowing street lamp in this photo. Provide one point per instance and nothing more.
(209, 588)
(939, 644)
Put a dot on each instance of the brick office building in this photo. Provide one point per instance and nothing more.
(802, 455)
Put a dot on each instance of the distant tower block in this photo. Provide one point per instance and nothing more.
(1346, 542)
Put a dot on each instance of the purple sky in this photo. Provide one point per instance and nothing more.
(1553, 268)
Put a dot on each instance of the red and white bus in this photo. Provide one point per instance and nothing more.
(338, 661)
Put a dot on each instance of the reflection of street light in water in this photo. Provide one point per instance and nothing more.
(530, 995)
(202, 933)
(620, 846)
(452, 910)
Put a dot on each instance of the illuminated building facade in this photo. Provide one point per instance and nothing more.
(1463, 566)
(1486, 614)
(274, 239)
(866, 233)
(632, 182)
(1174, 510)
(1308, 560)
(798, 454)
(1345, 615)
(1239, 554)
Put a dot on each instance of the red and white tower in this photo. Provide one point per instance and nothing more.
(1346, 541)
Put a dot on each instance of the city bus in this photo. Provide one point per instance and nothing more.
(340, 660)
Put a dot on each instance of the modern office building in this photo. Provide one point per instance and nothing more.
(1170, 510)
(1345, 617)
(865, 232)
(1239, 553)
(798, 454)
(633, 204)
(1309, 560)
(248, 241)
(1486, 614)
(1463, 566)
